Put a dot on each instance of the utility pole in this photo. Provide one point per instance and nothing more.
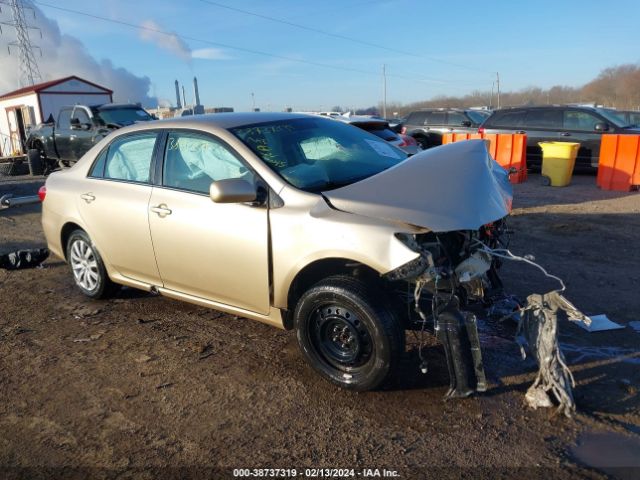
(384, 91)
(29, 72)
(498, 87)
(491, 97)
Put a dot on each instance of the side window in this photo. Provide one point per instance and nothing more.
(547, 119)
(97, 170)
(416, 118)
(64, 118)
(435, 118)
(129, 158)
(506, 119)
(193, 161)
(456, 118)
(577, 120)
(81, 115)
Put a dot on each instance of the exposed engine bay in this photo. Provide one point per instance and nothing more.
(454, 282)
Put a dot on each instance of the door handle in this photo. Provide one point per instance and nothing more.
(520, 131)
(161, 210)
(565, 134)
(88, 197)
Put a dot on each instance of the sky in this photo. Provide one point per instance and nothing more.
(428, 48)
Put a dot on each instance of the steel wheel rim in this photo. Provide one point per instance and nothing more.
(84, 265)
(341, 338)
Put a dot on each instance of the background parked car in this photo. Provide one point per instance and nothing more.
(428, 126)
(559, 123)
(77, 129)
(381, 128)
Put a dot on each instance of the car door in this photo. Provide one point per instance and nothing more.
(209, 250)
(114, 206)
(580, 126)
(63, 133)
(83, 131)
(541, 125)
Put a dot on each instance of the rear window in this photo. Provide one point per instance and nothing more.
(379, 130)
(508, 118)
(477, 117)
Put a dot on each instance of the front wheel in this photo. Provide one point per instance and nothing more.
(348, 334)
(88, 270)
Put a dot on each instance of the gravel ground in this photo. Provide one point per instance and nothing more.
(145, 387)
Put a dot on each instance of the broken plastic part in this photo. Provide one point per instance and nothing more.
(473, 267)
(452, 333)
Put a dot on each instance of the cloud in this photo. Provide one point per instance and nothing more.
(209, 54)
(172, 43)
(64, 55)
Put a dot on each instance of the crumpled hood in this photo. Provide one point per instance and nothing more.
(453, 187)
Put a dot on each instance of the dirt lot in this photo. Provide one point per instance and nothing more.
(145, 387)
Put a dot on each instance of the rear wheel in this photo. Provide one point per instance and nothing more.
(348, 334)
(88, 270)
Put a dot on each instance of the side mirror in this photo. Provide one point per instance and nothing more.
(466, 123)
(232, 190)
(601, 127)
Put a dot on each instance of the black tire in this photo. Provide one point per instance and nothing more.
(35, 161)
(348, 333)
(545, 181)
(97, 284)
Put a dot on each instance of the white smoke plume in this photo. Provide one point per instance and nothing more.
(172, 43)
(64, 55)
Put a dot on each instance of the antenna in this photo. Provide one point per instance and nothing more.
(29, 73)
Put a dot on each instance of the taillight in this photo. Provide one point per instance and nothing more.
(481, 130)
(42, 192)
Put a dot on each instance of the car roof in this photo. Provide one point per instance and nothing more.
(360, 119)
(114, 106)
(220, 120)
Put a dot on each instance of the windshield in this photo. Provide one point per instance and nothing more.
(613, 116)
(122, 116)
(477, 116)
(316, 154)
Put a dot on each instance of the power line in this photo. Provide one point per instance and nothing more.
(419, 79)
(342, 37)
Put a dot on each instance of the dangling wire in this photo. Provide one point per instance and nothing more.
(506, 254)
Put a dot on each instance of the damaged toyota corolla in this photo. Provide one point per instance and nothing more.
(297, 221)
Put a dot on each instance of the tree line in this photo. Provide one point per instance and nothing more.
(617, 87)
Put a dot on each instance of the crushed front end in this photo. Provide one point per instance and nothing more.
(452, 281)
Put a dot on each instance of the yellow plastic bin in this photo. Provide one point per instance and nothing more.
(558, 159)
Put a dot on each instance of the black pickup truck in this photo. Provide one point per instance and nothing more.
(62, 142)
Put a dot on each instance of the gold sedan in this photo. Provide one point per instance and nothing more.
(297, 221)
